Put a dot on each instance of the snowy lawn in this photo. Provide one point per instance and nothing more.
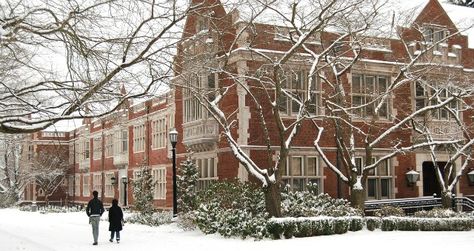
(71, 231)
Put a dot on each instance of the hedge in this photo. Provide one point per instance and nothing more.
(280, 228)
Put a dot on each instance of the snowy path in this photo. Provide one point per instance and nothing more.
(34, 231)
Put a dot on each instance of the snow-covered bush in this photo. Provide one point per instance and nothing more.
(389, 211)
(154, 219)
(143, 191)
(440, 213)
(186, 182)
(309, 204)
(232, 209)
(373, 223)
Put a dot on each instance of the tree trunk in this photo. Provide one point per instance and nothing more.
(447, 200)
(273, 199)
(358, 198)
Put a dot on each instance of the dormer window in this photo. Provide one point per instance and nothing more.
(434, 35)
(202, 24)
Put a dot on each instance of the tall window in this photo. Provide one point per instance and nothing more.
(159, 179)
(207, 172)
(367, 91)
(71, 185)
(297, 83)
(85, 185)
(109, 187)
(379, 180)
(300, 171)
(159, 133)
(121, 137)
(97, 147)
(139, 138)
(109, 145)
(426, 96)
(86, 149)
(71, 153)
(77, 183)
(97, 182)
(201, 84)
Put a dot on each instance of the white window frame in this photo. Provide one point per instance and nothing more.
(297, 83)
(109, 145)
(159, 181)
(366, 94)
(289, 178)
(377, 177)
(77, 184)
(139, 138)
(422, 100)
(159, 130)
(86, 185)
(97, 149)
(207, 171)
(97, 182)
(71, 185)
(109, 187)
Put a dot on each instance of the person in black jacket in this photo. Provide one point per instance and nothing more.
(115, 220)
(94, 210)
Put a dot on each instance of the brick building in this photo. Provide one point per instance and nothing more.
(106, 153)
(223, 33)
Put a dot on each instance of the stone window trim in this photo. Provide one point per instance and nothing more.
(364, 87)
(380, 182)
(309, 170)
(159, 180)
(296, 83)
(422, 96)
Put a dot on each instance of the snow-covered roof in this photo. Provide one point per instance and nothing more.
(391, 13)
(463, 18)
(64, 126)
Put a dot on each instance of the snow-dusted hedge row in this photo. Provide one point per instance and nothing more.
(426, 224)
(51, 208)
(280, 228)
(155, 219)
(313, 226)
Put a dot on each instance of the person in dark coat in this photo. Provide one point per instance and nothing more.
(94, 210)
(115, 220)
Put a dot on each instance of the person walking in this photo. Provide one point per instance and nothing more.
(115, 220)
(94, 210)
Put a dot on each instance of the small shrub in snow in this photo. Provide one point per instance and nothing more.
(154, 219)
(373, 223)
(389, 211)
(309, 204)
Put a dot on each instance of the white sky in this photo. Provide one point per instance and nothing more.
(71, 231)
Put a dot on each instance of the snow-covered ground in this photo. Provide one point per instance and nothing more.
(71, 231)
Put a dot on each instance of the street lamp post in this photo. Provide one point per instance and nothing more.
(173, 134)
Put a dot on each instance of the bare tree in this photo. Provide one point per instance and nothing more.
(448, 170)
(13, 177)
(270, 87)
(49, 171)
(68, 59)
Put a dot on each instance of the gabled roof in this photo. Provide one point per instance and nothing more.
(393, 13)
